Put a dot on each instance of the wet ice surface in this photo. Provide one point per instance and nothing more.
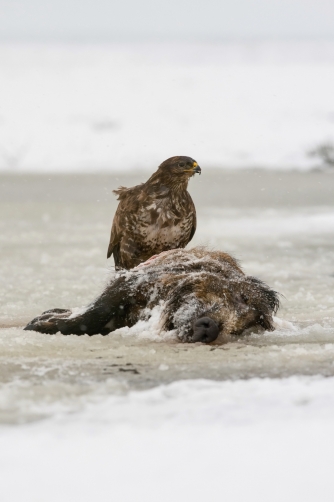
(113, 405)
(54, 235)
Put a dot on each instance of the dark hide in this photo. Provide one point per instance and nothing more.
(203, 294)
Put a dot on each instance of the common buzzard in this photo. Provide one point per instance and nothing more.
(155, 216)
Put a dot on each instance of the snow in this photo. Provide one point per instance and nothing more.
(206, 402)
(246, 440)
(125, 417)
(116, 107)
(150, 328)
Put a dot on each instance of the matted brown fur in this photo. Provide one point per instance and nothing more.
(188, 284)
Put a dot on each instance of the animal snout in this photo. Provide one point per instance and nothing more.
(205, 330)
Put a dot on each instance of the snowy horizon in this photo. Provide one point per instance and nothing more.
(114, 107)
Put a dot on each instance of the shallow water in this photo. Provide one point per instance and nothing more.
(54, 234)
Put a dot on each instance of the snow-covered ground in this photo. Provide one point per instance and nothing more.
(255, 440)
(113, 107)
(127, 417)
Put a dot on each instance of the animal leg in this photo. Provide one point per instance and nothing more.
(110, 305)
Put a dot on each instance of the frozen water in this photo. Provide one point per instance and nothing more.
(133, 417)
(54, 236)
(114, 107)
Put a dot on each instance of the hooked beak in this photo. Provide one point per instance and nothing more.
(196, 168)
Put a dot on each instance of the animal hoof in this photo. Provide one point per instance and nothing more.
(205, 330)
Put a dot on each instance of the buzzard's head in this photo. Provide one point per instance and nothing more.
(180, 167)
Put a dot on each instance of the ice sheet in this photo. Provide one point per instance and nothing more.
(129, 417)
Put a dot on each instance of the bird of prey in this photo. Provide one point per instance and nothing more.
(155, 216)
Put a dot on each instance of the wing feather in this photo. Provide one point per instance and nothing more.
(114, 240)
(192, 211)
(126, 206)
(144, 225)
(116, 232)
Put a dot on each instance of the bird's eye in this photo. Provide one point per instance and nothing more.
(181, 164)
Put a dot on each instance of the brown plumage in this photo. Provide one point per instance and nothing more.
(155, 216)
